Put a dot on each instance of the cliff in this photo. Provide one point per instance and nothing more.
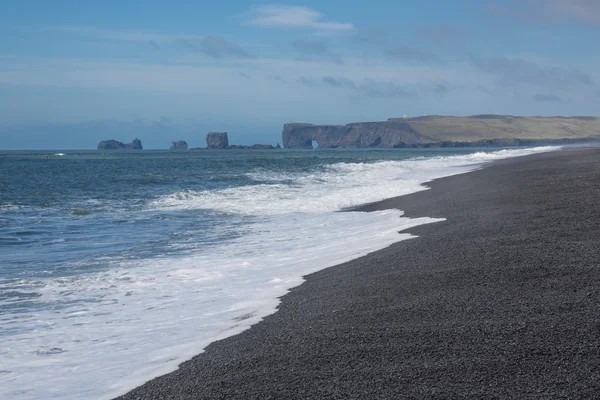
(136, 144)
(441, 131)
(363, 134)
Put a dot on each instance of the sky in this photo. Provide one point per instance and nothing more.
(75, 72)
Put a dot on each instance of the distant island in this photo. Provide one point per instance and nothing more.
(136, 144)
(442, 131)
(214, 140)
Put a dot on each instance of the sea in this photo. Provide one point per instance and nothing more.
(115, 267)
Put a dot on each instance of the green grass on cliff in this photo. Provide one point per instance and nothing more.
(440, 128)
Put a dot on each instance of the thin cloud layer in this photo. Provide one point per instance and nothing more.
(513, 71)
(585, 10)
(385, 89)
(443, 34)
(284, 16)
(310, 50)
(339, 82)
(218, 47)
(367, 88)
(441, 89)
(546, 98)
(409, 54)
(126, 36)
(214, 46)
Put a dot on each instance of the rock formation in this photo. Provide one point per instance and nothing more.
(136, 144)
(367, 134)
(440, 131)
(217, 140)
(179, 145)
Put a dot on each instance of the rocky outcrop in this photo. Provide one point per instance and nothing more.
(364, 134)
(179, 145)
(442, 131)
(217, 140)
(136, 144)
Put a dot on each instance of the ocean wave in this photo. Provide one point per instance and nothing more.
(335, 187)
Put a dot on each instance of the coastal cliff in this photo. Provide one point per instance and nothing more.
(136, 144)
(363, 134)
(441, 131)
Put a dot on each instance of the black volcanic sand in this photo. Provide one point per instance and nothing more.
(500, 301)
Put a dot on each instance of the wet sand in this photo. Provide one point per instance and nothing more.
(502, 300)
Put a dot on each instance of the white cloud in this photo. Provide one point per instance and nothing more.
(285, 16)
(127, 36)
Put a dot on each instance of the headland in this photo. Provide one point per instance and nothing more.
(443, 131)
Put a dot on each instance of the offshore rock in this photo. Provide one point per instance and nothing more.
(136, 144)
(217, 140)
(179, 145)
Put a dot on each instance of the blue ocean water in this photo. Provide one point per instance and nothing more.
(117, 266)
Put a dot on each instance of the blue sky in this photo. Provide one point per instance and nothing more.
(74, 72)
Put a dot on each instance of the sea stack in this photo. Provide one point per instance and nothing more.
(136, 144)
(179, 145)
(217, 140)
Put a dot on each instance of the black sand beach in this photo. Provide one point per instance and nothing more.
(502, 300)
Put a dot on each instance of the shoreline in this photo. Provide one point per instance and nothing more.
(353, 311)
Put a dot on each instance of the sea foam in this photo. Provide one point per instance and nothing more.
(337, 187)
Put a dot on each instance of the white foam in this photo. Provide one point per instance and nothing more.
(138, 320)
(141, 320)
(337, 187)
